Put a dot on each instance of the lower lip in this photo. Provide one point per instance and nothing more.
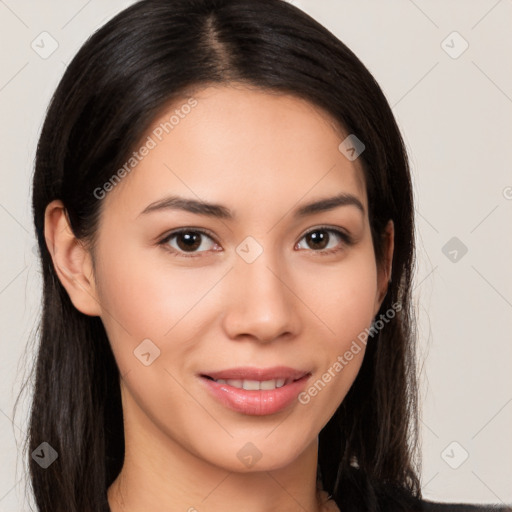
(256, 403)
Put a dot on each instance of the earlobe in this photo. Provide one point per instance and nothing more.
(385, 269)
(71, 260)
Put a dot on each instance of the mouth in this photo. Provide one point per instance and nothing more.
(256, 391)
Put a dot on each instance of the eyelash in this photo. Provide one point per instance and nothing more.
(345, 237)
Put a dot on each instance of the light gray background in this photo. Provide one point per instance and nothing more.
(456, 117)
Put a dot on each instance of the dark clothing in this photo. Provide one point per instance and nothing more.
(431, 506)
(357, 493)
(391, 500)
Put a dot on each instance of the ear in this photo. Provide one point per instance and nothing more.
(384, 269)
(71, 259)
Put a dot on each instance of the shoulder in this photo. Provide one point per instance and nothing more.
(434, 506)
(386, 497)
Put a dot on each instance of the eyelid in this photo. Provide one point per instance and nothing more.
(337, 229)
(165, 239)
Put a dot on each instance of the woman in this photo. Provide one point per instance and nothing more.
(225, 220)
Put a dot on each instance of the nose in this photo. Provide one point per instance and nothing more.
(261, 303)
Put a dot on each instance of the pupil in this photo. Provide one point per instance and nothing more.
(191, 240)
(319, 238)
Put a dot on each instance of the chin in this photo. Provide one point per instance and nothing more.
(263, 453)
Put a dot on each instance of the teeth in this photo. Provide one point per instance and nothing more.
(269, 384)
(253, 385)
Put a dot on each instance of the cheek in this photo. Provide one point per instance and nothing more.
(343, 295)
(345, 307)
(148, 299)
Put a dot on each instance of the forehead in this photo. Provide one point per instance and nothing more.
(242, 147)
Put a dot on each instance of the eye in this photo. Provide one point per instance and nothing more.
(320, 239)
(188, 241)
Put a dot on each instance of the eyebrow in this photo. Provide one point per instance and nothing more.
(221, 212)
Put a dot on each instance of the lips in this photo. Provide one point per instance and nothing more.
(256, 391)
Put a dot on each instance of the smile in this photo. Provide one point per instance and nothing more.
(254, 391)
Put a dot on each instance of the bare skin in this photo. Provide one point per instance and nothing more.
(262, 156)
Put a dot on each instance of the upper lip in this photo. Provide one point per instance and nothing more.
(260, 374)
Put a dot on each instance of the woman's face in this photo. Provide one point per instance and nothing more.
(255, 289)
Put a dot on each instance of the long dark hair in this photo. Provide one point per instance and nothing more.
(122, 77)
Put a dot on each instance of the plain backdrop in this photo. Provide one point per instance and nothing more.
(445, 68)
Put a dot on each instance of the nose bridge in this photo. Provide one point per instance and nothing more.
(261, 303)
